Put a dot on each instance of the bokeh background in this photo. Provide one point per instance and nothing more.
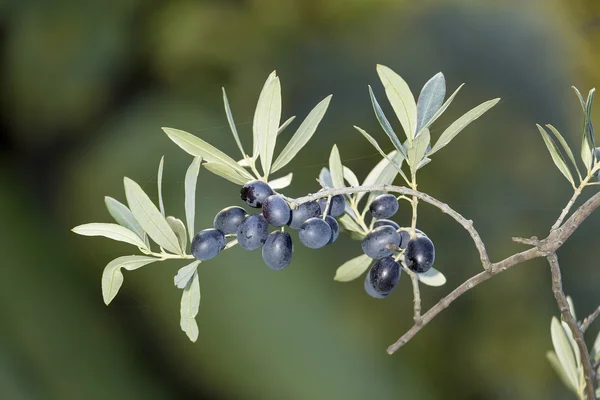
(86, 86)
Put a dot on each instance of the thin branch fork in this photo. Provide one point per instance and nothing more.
(590, 320)
(568, 317)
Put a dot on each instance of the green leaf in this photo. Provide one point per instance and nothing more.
(396, 165)
(571, 307)
(401, 99)
(564, 352)
(281, 183)
(325, 177)
(443, 108)
(266, 123)
(423, 163)
(159, 184)
(285, 124)
(551, 356)
(433, 277)
(350, 224)
(112, 277)
(246, 162)
(256, 133)
(383, 171)
(190, 303)
(179, 229)
(123, 216)
(232, 123)
(385, 124)
(185, 274)
(573, 344)
(191, 179)
(430, 99)
(416, 153)
(596, 348)
(111, 231)
(588, 144)
(224, 171)
(198, 147)
(565, 146)
(557, 157)
(335, 168)
(303, 134)
(352, 269)
(580, 97)
(350, 177)
(150, 219)
(457, 126)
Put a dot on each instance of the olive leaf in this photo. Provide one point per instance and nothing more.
(565, 147)
(396, 165)
(191, 179)
(557, 157)
(111, 231)
(416, 152)
(266, 122)
(224, 171)
(564, 352)
(350, 224)
(190, 303)
(401, 99)
(179, 229)
(198, 147)
(232, 123)
(588, 145)
(430, 99)
(335, 168)
(353, 268)
(112, 277)
(350, 177)
(457, 126)
(255, 130)
(580, 97)
(302, 135)
(159, 185)
(385, 124)
(184, 275)
(282, 183)
(325, 177)
(560, 371)
(383, 172)
(150, 218)
(285, 124)
(441, 110)
(433, 277)
(124, 217)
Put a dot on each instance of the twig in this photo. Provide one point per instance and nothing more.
(417, 297)
(590, 320)
(567, 316)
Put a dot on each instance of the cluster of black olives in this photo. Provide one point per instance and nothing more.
(388, 243)
(252, 231)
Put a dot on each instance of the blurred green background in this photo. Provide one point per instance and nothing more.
(86, 86)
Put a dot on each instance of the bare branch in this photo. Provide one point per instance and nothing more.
(567, 316)
(417, 297)
(590, 320)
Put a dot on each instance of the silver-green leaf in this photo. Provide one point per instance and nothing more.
(191, 179)
(431, 99)
(350, 177)
(325, 177)
(565, 147)
(401, 99)
(557, 157)
(457, 126)
(150, 218)
(281, 183)
(383, 172)
(179, 229)
(159, 185)
(443, 108)
(352, 269)
(112, 277)
(350, 224)
(266, 123)
(232, 123)
(553, 360)
(285, 125)
(123, 216)
(433, 277)
(335, 168)
(111, 231)
(190, 303)
(184, 275)
(255, 130)
(302, 135)
(588, 143)
(198, 147)
(580, 97)
(396, 165)
(385, 124)
(416, 153)
(224, 171)
(564, 352)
